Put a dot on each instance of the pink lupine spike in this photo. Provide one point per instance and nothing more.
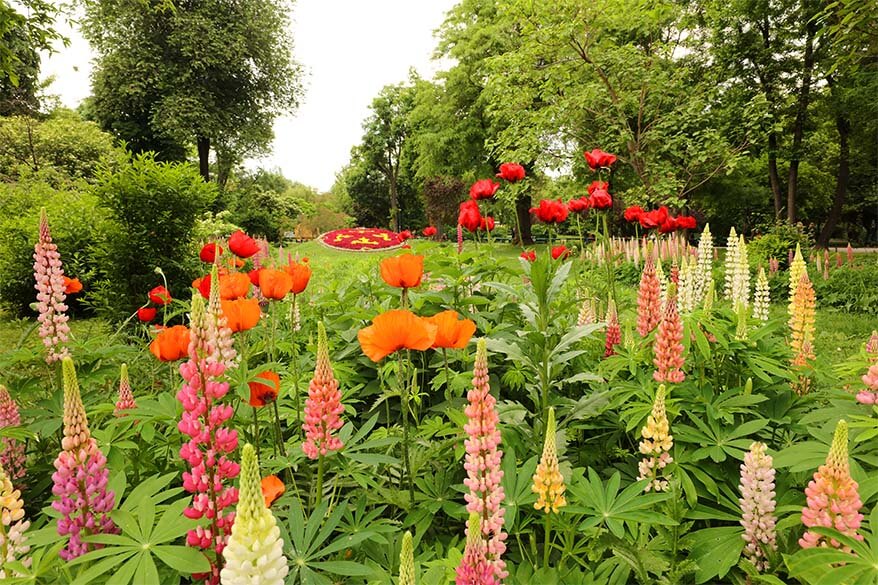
(669, 343)
(474, 568)
(832, 496)
(126, 397)
(758, 504)
(483, 459)
(49, 275)
(323, 407)
(80, 479)
(649, 303)
(209, 441)
(614, 330)
(12, 457)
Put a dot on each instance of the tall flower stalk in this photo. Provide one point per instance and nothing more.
(802, 321)
(209, 441)
(832, 496)
(614, 330)
(656, 445)
(668, 346)
(761, 297)
(49, 276)
(12, 457)
(649, 302)
(13, 541)
(797, 269)
(704, 266)
(548, 483)
(323, 410)
(757, 505)
(731, 263)
(741, 276)
(483, 458)
(254, 553)
(407, 560)
(126, 398)
(474, 568)
(81, 475)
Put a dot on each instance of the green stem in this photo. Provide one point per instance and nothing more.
(255, 430)
(278, 433)
(547, 542)
(404, 404)
(581, 240)
(319, 479)
(611, 269)
(447, 375)
(296, 370)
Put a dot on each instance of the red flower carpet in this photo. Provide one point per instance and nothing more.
(362, 239)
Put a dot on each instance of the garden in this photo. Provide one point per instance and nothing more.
(376, 407)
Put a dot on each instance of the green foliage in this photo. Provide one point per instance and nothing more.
(850, 288)
(775, 241)
(153, 207)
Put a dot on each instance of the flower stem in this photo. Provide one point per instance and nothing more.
(447, 375)
(404, 406)
(547, 542)
(255, 430)
(319, 479)
(279, 438)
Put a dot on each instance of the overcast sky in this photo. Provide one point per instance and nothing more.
(350, 50)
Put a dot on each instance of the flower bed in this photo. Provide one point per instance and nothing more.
(361, 239)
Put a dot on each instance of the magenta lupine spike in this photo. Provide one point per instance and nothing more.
(126, 398)
(649, 302)
(81, 475)
(870, 379)
(483, 459)
(474, 567)
(872, 345)
(669, 343)
(833, 500)
(209, 441)
(12, 457)
(459, 238)
(49, 275)
(217, 325)
(323, 408)
(614, 330)
(757, 505)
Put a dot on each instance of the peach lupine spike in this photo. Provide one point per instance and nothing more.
(126, 397)
(668, 346)
(649, 302)
(49, 276)
(758, 505)
(323, 407)
(801, 321)
(12, 457)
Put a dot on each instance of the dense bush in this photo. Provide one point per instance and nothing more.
(851, 288)
(775, 241)
(154, 207)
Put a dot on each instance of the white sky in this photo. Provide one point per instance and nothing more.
(350, 50)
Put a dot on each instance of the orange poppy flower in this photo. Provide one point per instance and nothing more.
(232, 286)
(451, 332)
(403, 271)
(301, 273)
(274, 284)
(393, 330)
(72, 285)
(241, 314)
(272, 488)
(171, 344)
(266, 391)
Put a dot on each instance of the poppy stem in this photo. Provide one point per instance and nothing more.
(610, 260)
(299, 428)
(256, 430)
(447, 375)
(404, 406)
(279, 443)
(319, 487)
(581, 241)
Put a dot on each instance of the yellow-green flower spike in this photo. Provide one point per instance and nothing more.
(407, 560)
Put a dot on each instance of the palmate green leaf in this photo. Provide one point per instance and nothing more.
(126, 571)
(182, 558)
(604, 504)
(111, 557)
(346, 568)
(715, 551)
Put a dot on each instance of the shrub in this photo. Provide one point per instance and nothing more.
(153, 208)
(775, 241)
(849, 288)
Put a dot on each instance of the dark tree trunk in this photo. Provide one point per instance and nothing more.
(773, 176)
(843, 124)
(224, 165)
(522, 208)
(394, 205)
(204, 158)
(799, 125)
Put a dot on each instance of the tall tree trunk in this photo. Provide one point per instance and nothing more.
(843, 124)
(773, 175)
(203, 144)
(799, 125)
(394, 204)
(224, 163)
(522, 209)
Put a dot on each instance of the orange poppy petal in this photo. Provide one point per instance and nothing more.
(272, 488)
(420, 335)
(374, 343)
(465, 330)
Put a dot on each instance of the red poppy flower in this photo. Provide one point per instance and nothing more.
(529, 255)
(160, 295)
(687, 222)
(403, 271)
(394, 330)
(146, 314)
(264, 389)
(274, 284)
(512, 172)
(669, 225)
(253, 275)
(72, 285)
(560, 252)
(242, 245)
(487, 224)
(405, 235)
(580, 205)
(210, 251)
(301, 273)
(272, 489)
(470, 218)
(633, 213)
(598, 159)
(483, 189)
(550, 211)
(430, 231)
(600, 199)
(595, 185)
(171, 344)
(653, 219)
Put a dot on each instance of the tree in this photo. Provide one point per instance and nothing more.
(210, 74)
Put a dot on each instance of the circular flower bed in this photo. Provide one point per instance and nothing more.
(362, 239)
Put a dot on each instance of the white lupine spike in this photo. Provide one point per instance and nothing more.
(688, 275)
(741, 276)
(731, 262)
(761, 297)
(704, 268)
(254, 553)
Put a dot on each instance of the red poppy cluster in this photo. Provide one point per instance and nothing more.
(429, 231)
(470, 217)
(159, 296)
(660, 219)
(512, 172)
(599, 198)
(550, 211)
(598, 159)
(362, 239)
